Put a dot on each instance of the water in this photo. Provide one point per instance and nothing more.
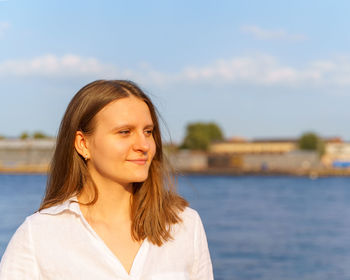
(264, 228)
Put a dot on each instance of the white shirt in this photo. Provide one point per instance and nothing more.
(58, 243)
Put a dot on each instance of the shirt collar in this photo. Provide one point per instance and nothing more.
(70, 204)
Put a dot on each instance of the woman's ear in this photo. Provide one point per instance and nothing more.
(81, 145)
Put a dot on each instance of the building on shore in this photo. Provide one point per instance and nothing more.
(337, 155)
(259, 146)
(261, 155)
(186, 160)
(26, 156)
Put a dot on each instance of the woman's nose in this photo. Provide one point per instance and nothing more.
(141, 143)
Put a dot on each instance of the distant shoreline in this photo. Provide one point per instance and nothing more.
(312, 173)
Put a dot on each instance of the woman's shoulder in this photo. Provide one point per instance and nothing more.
(190, 220)
(60, 211)
(189, 214)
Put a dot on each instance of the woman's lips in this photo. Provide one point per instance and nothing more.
(138, 161)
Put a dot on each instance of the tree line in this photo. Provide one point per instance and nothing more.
(34, 135)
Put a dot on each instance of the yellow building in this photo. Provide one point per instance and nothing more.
(265, 154)
(272, 146)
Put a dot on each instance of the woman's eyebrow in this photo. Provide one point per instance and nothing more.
(126, 125)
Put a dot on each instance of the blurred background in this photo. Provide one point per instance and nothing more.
(254, 96)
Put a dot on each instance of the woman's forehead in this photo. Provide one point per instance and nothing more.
(128, 110)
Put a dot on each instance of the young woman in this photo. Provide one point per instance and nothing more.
(110, 210)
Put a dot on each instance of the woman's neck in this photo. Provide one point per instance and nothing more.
(112, 205)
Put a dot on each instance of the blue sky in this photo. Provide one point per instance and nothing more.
(259, 69)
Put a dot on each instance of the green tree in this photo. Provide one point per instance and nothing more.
(311, 142)
(39, 135)
(199, 135)
(24, 135)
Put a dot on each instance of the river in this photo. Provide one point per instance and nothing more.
(263, 228)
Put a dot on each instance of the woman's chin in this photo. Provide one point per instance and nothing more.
(140, 179)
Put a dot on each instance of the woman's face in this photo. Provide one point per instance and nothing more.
(122, 146)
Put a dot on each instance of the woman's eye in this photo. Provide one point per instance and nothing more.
(149, 132)
(124, 132)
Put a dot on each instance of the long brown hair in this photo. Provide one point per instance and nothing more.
(155, 205)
